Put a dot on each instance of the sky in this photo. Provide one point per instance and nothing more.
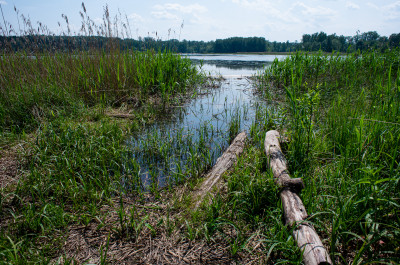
(275, 20)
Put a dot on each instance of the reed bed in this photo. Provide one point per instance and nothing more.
(45, 85)
(77, 193)
(340, 118)
(73, 158)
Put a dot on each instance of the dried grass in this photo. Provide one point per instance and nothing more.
(83, 244)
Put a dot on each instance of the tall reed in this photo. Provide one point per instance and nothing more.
(342, 115)
(78, 161)
(53, 75)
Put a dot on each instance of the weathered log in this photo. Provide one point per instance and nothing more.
(294, 211)
(309, 242)
(223, 163)
(277, 163)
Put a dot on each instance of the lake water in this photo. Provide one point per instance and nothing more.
(203, 126)
(233, 65)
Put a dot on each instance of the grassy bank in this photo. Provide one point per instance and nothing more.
(341, 116)
(43, 86)
(71, 183)
(64, 156)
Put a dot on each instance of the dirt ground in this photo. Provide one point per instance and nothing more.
(85, 243)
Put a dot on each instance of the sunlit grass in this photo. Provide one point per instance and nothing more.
(338, 114)
(342, 121)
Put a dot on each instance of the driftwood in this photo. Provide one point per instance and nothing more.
(224, 162)
(295, 213)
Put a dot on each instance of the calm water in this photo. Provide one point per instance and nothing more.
(201, 127)
(233, 64)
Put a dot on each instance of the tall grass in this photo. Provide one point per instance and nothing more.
(78, 160)
(343, 124)
(339, 117)
(43, 85)
(49, 78)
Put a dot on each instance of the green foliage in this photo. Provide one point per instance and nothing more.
(319, 41)
(73, 170)
(249, 214)
(340, 114)
(302, 110)
(91, 161)
(342, 119)
(237, 44)
(48, 85)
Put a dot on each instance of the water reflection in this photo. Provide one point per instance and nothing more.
(233, 64)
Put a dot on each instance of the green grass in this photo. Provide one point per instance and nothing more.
(342, 119)
(49, 85)
(78, 161)
(339, 114)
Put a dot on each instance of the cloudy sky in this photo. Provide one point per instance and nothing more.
(276, 20)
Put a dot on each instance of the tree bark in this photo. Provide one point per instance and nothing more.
(224, 162)
(294, 211)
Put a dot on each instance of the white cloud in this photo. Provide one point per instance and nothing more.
(392, 11)
(3, 2)
(164, 15)
(309, 11)
(372, 5)
(253, 3)
(194, 8)
(267, 7)
(136, 17)
(389, 12)
(189, 9)
(193, 15)
(309, 18)
(258, 4)
(173, 11)
(295, 13)
(352, 6)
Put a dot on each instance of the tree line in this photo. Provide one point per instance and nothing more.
(309, 42)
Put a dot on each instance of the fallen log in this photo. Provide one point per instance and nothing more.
(224, 162)
(294, 211)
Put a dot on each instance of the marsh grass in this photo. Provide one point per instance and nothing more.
(339, 117)
(51, 85)
(78, 161)
(342, 120)
(81, 188)
(183, 153)
(42, 80)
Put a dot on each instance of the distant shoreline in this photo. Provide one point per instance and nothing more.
(267, 53)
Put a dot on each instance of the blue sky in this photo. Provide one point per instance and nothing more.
(278, 20)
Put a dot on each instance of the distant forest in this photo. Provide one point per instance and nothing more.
(309, 42)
